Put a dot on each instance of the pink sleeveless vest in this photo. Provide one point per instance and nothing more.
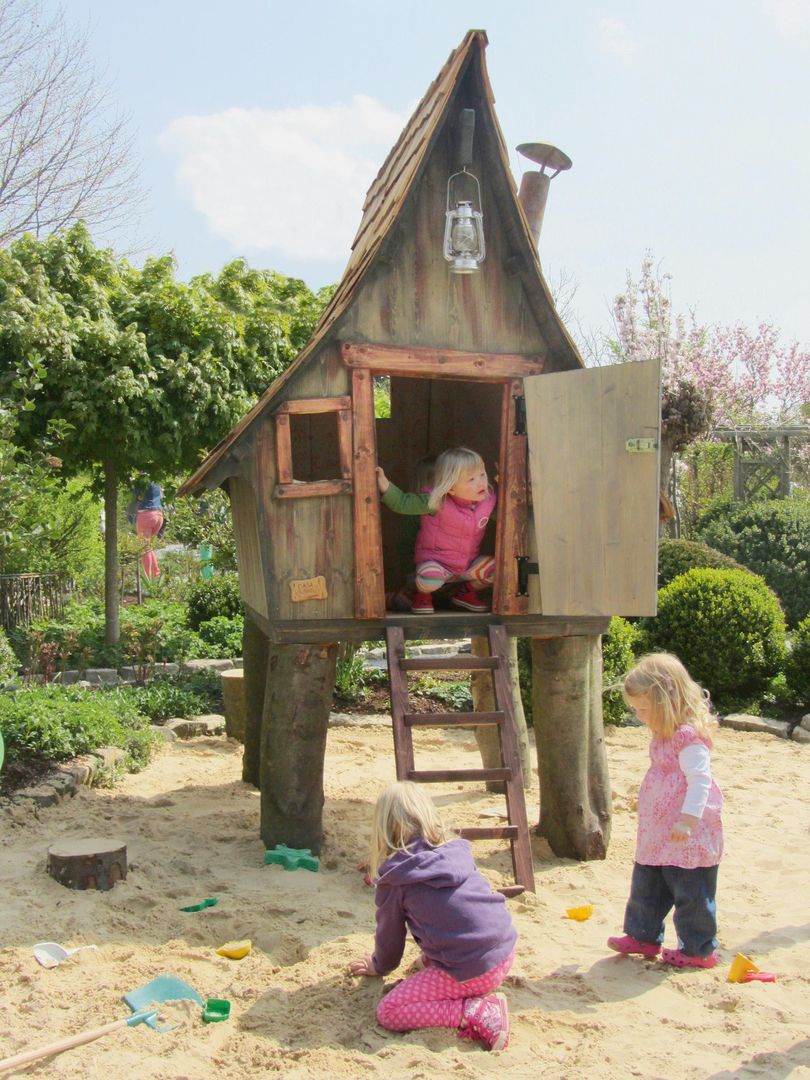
(454, 534)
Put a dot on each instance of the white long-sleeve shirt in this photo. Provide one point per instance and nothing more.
(695, 763)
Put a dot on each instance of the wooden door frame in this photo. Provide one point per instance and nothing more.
(511, 535)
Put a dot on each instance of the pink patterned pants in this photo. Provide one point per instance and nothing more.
(147, 525)
(432, 998)
(431, 575)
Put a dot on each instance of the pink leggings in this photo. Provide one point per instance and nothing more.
(147, 525)
(432, 998)
(431, 575)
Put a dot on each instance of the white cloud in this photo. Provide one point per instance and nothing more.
(293, 180)
(790, 17)
(615, 39)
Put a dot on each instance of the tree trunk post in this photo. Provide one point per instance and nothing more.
(575, 801)
(483, 696)
(255, 649)
(298, 697)
(112, 630)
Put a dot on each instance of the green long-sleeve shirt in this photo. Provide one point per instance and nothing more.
(406, 502)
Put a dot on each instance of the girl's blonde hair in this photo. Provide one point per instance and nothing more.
(451, 466)
(674, 695)
(403, 813)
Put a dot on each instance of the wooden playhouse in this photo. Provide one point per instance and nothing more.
(478, 359)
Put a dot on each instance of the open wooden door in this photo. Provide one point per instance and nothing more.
(594, 439)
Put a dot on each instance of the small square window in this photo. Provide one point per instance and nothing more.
(313, 447)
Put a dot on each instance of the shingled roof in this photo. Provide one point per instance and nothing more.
(383, 204)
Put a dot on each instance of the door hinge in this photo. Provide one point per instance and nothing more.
(641, 446)
(525, 567)
(520, 414)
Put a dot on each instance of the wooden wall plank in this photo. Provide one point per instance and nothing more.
(368, 564)
(246, 533)
(512, 534)
(416, 361)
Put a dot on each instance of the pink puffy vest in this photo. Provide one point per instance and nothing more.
(454, 534)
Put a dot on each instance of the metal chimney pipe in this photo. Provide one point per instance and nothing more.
(534, 184)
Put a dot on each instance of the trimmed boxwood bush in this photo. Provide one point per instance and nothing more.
(618, 656)
(58, 722)
(797, 669)
(728, 629)
(677, 556)
(218, 595)
(770, 538)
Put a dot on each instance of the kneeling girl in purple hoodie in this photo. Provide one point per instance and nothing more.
(426, 882)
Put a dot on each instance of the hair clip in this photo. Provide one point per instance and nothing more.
(668, 683)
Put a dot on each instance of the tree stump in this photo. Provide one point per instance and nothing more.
(94, 863)
(255, 649)
(233, 700)
(575, 802)
(300, 684)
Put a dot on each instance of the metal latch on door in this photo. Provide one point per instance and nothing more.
(641, 446)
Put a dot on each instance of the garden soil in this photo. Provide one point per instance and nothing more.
(578, 1012)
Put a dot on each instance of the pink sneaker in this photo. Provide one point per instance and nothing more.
(629, 946)
(682, 960)
(468, 597)
(486, 1019)
(421, 603)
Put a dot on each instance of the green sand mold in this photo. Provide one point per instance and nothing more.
(216, 1009)
(203, 904)
(292, 858)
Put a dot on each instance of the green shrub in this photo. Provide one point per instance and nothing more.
(350, 675)
(726, 626)
(618, 656)
(222, 636)
(677, 556)
(164, 697)
(58, 722)
(217, 596)
(8, 661)
(797, 668)
(770, 538)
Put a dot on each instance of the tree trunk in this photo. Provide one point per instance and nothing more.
(483, 697)
(112, 630)
(575, 803)
(255, 647)
(665, 528)
(298, 697)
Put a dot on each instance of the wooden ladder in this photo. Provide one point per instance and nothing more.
(517, 831)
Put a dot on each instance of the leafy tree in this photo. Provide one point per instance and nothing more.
(132, 369)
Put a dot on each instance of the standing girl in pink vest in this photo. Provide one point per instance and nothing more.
(454, 514)
(680, 834)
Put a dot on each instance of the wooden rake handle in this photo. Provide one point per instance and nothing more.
(73, 1040)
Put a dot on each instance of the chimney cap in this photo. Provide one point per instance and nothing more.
(545, 155)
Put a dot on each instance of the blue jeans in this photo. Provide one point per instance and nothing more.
(655, 890)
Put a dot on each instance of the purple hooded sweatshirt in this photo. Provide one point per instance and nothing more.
(458, 922)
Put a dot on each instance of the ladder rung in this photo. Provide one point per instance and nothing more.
(441, 775)
(449, 663)
(451, 719)
(492, 832)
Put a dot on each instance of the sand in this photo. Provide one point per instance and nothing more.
(578, 1011)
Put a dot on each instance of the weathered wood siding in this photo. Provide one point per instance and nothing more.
(248, 553)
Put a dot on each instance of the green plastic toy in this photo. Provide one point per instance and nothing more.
(216, 1010)
(203, 904)
(292, 858)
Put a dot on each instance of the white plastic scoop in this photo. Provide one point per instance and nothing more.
(50, 953)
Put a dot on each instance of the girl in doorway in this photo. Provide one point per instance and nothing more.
(427, 882)
(454, 514)
(680, 835)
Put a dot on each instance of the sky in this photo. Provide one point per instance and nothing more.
(261, 124)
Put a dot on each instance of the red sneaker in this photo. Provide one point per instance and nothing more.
(486, 1019)
(421, 603)
(468, 597)
(628, 946)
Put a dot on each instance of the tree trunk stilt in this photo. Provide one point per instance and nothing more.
(483, 697)
(298, 697)
(255, 647)
(112, 630)
(575, 800)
